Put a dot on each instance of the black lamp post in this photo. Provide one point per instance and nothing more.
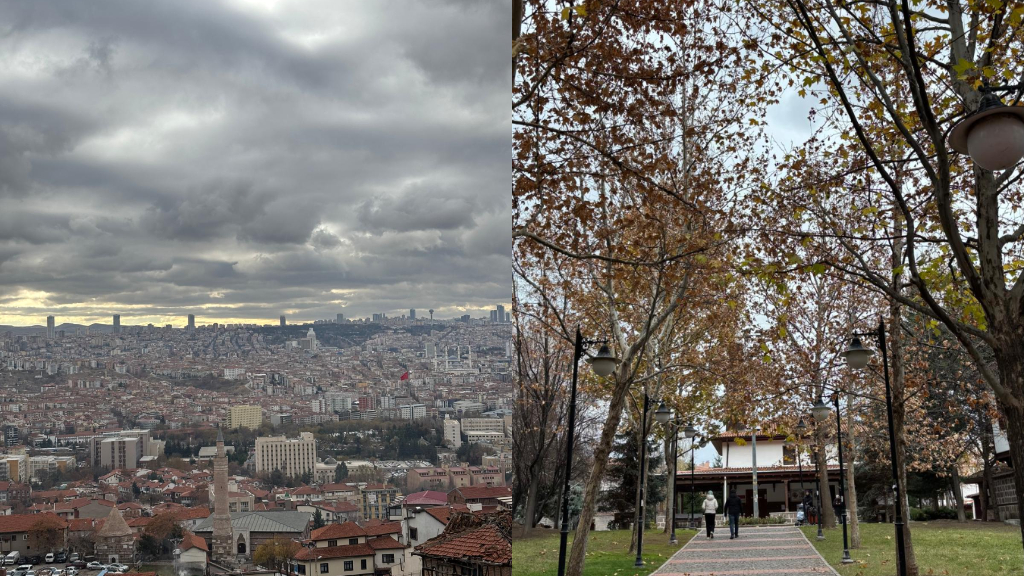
(603, 365)
(662, 415)
(691, 433)
(820, 412)
(801, 429)
(857, 357)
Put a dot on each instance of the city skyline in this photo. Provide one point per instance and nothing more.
(262, 165)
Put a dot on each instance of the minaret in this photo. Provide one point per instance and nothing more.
(221, 517)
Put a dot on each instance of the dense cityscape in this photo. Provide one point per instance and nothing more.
(120, 440)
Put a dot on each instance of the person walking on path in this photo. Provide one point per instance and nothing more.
(809, 508)
(710, 509)
(733, 508)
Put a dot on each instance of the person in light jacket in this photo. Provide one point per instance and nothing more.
(710, 509)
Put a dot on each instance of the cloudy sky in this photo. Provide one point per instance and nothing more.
(241, 159)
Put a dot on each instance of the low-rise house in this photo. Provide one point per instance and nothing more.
(389, 554)
(15, 533)
(348, 560)
(477, 544)
(191, 556)
(482, 495)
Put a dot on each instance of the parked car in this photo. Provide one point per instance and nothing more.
(73, 557)
(49, 558)
(119, 567)
(79, 563)
(22, 570)
(34, 560)
(12, 558)
(44, 572)
(71, 571)
(61, 557)
(30, 573)
(94, 565)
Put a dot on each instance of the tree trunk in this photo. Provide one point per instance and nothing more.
(899, 410)
(987, 450)
(528, 517)
(574, 567)
(828, 515)
(1015, 430)
(851, 486)
(958, 495)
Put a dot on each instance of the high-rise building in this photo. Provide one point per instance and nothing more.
(412, 313)
(501, 313)
(341, 318)
(117, 324)
(244, 416)
(49, 327)
(282, 321)
(292, 456)
(191, 322)
(494, 315)
(431, 314)
(452, 432)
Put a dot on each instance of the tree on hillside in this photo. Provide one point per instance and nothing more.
(275, 554)
(47, 533)
(318, 519)
(340, 472)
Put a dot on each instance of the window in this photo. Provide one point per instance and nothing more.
(300, 568)
(789, 455)
(388, 558)
(413, 533)
(349, 566)
(362, 564)
(332, 543)
(324, 568)
(353, 540)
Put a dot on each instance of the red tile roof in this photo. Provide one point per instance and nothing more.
(475, 492)
(427, 498)
(334, 552)
(384, 543)
(485, 544)
(23, 522)
(335, 531)
(385, 528)
(190, 540)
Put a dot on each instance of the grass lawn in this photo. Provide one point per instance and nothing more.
(942, 547)
(160, 569)
(607, 553)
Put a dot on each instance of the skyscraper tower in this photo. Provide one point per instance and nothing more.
(221, 517)
(282, 321)
(412, 313)
(49, 327)
(341, 318)
(191, 322)
(117, 323)
(501, 313)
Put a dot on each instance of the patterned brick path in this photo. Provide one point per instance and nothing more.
(781, 550)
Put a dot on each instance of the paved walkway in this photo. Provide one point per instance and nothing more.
(780, 550)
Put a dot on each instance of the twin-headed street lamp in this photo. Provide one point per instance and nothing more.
(820, 412)
(857, 357)
(603, 364)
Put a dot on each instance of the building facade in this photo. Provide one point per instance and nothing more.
(245, 417)
(292, 456)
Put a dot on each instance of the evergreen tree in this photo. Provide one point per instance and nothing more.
(623, 475)
(318, 519)
(340, 472)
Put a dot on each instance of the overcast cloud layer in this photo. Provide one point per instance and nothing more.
(245, 159)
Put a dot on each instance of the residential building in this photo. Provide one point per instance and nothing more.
(348, 560)
(452, 432)
(15, 533)
(292, 456)
(375, 499)
(477, 544)
(244, 416)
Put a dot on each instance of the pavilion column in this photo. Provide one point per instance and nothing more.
(786, 483)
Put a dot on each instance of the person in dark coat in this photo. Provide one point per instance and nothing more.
(733, 509)
(809, 507)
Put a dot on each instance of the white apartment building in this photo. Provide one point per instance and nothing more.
(292, 456)
(244, 416)
(234, 373)
(113, 452)
(452, 433)
(14, 468)
(40, 466)
(483, 425)
(412, 411)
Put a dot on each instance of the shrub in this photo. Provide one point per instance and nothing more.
(750, 521)
(918, 515)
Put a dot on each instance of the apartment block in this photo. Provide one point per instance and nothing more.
(244, 417)
(292, 456)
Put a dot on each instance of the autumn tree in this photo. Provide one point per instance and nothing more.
(48, 533)
(275, 553)
(892, 78)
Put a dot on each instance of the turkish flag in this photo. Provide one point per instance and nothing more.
(404, 377)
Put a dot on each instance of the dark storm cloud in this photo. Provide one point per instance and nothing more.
(253, 157)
